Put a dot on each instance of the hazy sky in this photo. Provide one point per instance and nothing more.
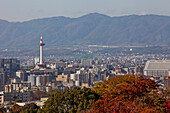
(21, 10)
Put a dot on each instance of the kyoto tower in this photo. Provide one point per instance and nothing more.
(41, 44)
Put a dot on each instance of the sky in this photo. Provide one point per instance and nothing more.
(23, 10)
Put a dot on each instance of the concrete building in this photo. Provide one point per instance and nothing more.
(32, 80)
(167, 82)
(1, 98)
(38, 80)
(8, 67)
(56, 64)
(157, 68)
(3, 79)
(16, 90)
(11, 64)
(73, 77)
(41, 88)
(63, 77)
(39, 103)
(87, 62)
(22, 75)
(36, 60)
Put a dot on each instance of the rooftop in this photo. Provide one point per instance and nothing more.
(157, 64)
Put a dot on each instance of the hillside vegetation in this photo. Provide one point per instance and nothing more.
(89, 29)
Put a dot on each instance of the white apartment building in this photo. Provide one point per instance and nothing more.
(1, 98)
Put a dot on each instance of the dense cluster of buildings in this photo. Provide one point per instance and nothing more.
(18, 83)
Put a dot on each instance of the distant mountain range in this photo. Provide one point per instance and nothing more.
(90, 29)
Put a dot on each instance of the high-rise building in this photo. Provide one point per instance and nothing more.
(38, 80)
(8, 68)
(11, 65)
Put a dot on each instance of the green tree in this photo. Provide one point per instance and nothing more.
(17, 100)
(70, 101)
(30, 108)
(10, 103)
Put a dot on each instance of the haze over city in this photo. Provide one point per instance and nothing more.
(22, 10)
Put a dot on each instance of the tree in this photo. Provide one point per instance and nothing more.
(131, 94)
(110, 85)
(70, 100)
(17, 100)
(15, 109)
(10, 103)
(2, 110)
(37, 95)
(162, 104)
(30, 108)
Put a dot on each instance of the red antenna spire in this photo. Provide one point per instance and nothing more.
(41, 42)
(41, 37)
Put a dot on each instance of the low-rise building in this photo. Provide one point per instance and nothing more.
(157, 68)
(15, 91)
(64, 78)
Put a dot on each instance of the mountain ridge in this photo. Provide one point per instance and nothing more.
(90, 29)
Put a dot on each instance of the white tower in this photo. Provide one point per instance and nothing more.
(41, 44)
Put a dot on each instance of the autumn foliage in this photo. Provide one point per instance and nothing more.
(128, 94)
(110, 85)
(28, 108)
(37, 95)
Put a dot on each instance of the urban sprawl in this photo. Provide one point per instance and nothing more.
(21, 80)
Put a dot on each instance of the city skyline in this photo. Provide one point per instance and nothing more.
(22, 10)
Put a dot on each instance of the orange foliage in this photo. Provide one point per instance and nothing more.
(37, 95)
(110, 85)
(129, 96)
(15, 109)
